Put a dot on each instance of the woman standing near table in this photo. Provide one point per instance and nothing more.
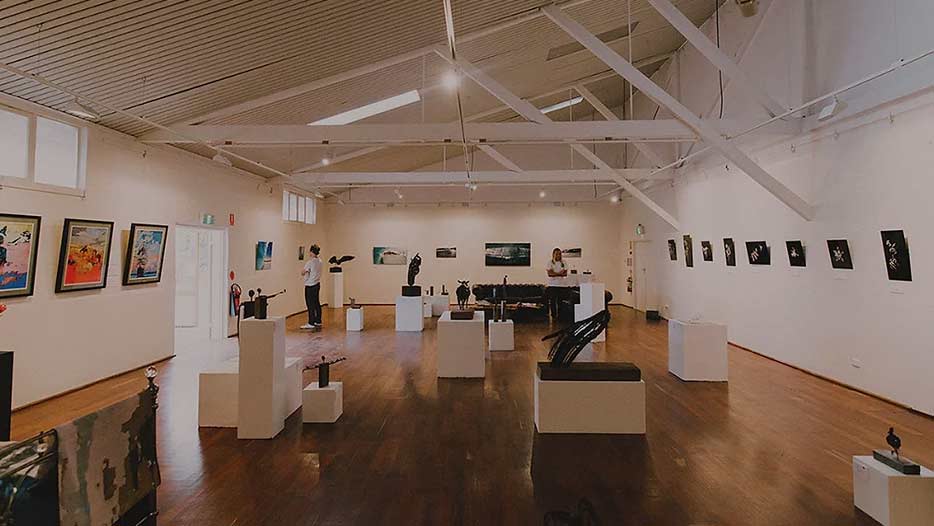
(557, 282)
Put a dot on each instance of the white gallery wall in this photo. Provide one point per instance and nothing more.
(356, 229)
(63, 341)
(867, 170)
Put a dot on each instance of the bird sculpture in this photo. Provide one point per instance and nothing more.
(893, 441)
(338, 261)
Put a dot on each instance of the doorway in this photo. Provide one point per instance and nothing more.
(200, 287)
(643, 276)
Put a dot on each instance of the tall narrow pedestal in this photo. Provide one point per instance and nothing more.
(409, 314)
(261, 392)
(890, 497)
(337, 290)
(460, 347)
(502, 336)
(592, 301)
(426, 306)
(697, 351)
(355, 319)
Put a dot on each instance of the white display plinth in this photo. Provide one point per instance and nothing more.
(322, 405)
(261, 390)
(217, 395)
(592, 301)
(589, 407)
(440, 303)
(293, 385)
(426, 306)
(890, 497)
(337, 290)
(697, 351)
(502, 336)
(460, 347)
(355, 319)
(409, 317)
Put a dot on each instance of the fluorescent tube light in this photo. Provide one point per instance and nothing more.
(563, 104)
(374, 108)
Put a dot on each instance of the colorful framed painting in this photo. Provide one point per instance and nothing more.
(263, 255)
(145, 254)
(390, 256)
(85, 255)
(19, 246)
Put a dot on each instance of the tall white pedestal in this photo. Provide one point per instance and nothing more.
(426, 306)
(337, 290)
(592, 301)
(440, 303)
(322, 405)
(460, 347)
(409, 314)
(891, 498)
(261, 393)
(502, 336)
(697, 351)
(355, 319)
(589, 407)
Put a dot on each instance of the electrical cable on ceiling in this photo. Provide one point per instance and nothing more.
(716, 4)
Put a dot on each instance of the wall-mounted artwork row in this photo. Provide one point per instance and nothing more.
(897, 260)
(729, 251)
(508, 254)
(389, 256)
(446, 252)
(706, 250)
(688, 251)
(672, 250)
(145, 254)
(571, 253)
(263, 255)
(85, 255)
(796, 256)
(840, 254)
(758, 252)
(19, 246)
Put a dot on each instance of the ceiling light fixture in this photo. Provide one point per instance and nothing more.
(748, 7)
(369, 110)
(222, 159)
(398, 193)
(325, 161)
(73, 107)
(542, 194)
(614, 198)
(318, 194)
(563, 104)
(450, 80)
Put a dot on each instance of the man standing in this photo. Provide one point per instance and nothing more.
(312, 275)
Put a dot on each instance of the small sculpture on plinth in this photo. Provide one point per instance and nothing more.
(444, 290)
(336, 263)
(353, 303)
(893, 458)
(571, 340)
(414, 267)
(463, 296)
(324, 370)
(262, 303)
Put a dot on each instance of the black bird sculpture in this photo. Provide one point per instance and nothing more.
(893, 441)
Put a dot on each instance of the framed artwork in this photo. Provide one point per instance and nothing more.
(389, 256)
(729, 251)
(85, 255)
(263, 255)
(145, 254)
(688, 251)
(758, 252)
(796, 255)
(672, 250)
(301, 253)
(571, 253)
(446, 252)
(19, 246)
(840, 254)
(508, 255)
(897, 261)
(706, 250)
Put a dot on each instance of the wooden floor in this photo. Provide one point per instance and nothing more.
(772, 447)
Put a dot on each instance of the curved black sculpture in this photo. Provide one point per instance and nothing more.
(571, 340)
(336, 262)
(414, 266)
(463, 294)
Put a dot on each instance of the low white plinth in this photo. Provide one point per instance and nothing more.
(355, 319)
(460, 347)
(591, 302)
(261, 391)
(409, 317)
(337, 290)
(293, 385)
(890, 497)
(217, 395)
(502, 336)
(589, 407)
(426, 306)
(697, 351)
(440, 303)
(322, 404)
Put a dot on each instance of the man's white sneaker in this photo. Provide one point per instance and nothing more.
(308, 326)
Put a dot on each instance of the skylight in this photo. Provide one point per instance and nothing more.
(563, 104)
(374, 108)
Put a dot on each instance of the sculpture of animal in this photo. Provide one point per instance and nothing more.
(463, 294)
(893, 441)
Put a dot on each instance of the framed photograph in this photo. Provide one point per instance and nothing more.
(508, 255)
(19, 246)
(796, 255)
(301, 253)
(672, 250)
(729, 251)
(688, 251)
(840, 254)
(446, 252)
(758, 252)
(571, 253)
(706, 250)
(85, 255)
(390, 256)
(145, 254)
(897, 261)
(263, 255)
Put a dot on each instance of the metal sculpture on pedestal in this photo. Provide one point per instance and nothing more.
(893, 459)
(261, 309)
(570, 341)
(324, 370)
(463, 296)
(353, 303)
(414, 266)
(336, 263)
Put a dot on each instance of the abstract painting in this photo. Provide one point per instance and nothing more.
(263, 255)
(19, 245)
(672, 250)
(796, 255)
(688, 251)
(446, 252)
(389, 256)
(508, 254)
(729, 251)
(758, 252)
(571, 253)
(145, 253)
(840, 254)
(706, 250)
(85, 255)
(897, 261)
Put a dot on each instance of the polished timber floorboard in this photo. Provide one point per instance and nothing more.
(772, 447)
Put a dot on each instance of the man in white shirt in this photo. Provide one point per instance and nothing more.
(312, 275)
(557, 282)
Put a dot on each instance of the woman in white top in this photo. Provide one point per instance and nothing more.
(312, 275)
(557, 282)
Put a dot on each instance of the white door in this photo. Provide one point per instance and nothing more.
(643, 286)
(200, 283)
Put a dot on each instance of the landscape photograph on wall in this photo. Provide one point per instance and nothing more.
(508, 254)
(571, 253)
(263, 255)
(389, 256)
(19, 244)
(446, 252)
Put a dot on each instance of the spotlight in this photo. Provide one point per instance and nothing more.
(748, 7)
(471, 186)
(614, 198)
(398, 193)
(82, 111)
(325, 161)
(220, 158)
(318, 194)
(542, 194)
(450, 80)
(831, 109)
